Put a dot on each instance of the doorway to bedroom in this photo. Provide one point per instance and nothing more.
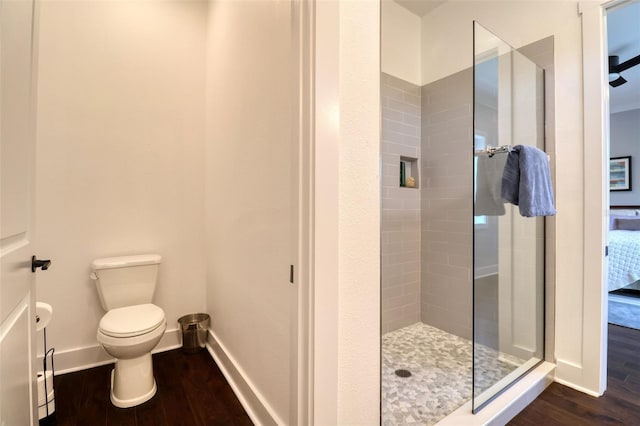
(623, 42)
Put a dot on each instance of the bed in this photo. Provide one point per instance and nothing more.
(624, 248)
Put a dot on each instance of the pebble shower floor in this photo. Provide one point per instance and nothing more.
(441, 374)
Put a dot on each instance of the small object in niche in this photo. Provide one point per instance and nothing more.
(402, 174)
(411, 182)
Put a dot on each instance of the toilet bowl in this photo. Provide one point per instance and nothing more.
(129, 334)
(132, 325)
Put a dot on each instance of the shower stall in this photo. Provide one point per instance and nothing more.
(463, 273)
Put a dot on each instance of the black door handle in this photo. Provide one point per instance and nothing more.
(39, 263)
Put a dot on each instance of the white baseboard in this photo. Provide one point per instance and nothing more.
(254, 403)
(76, 359)
(569, 373)
(578, 388)
(506, 406)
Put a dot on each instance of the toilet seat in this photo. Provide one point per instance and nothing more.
(131, 321)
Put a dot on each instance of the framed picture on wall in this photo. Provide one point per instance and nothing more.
(620, 174)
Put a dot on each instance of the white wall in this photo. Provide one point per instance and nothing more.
(446, 36)
(359, 214)
(347, 147)
(400, 47)
(624, 131)
(326, 214)
(119, 155)
(250, 167)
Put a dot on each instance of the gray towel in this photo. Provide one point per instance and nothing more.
(488, 198)
(526, 181)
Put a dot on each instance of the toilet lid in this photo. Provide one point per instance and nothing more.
(131, 320)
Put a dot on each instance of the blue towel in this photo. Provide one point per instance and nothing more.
(526, 181)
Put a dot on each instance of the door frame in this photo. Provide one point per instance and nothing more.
(302, 305)
(596, 194)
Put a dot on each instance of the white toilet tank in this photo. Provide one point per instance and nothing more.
(126, 280)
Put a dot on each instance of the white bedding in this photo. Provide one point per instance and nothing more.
(624, 258)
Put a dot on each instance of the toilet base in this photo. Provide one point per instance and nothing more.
(132, 382)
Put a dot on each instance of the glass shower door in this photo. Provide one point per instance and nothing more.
(508, 252)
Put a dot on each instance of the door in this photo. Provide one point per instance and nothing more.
(17, 295)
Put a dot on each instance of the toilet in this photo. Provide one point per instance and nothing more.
(132, 326)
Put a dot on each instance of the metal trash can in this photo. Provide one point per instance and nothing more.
(194, 332)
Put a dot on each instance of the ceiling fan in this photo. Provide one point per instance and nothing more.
(615, 68)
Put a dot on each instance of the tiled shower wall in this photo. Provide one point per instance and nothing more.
(400, 205)
(447, 204)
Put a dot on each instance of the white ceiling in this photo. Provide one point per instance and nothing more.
(420, 7)
(623, 34)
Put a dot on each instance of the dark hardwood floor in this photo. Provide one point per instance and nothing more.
(191, 391)
(620, 404)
